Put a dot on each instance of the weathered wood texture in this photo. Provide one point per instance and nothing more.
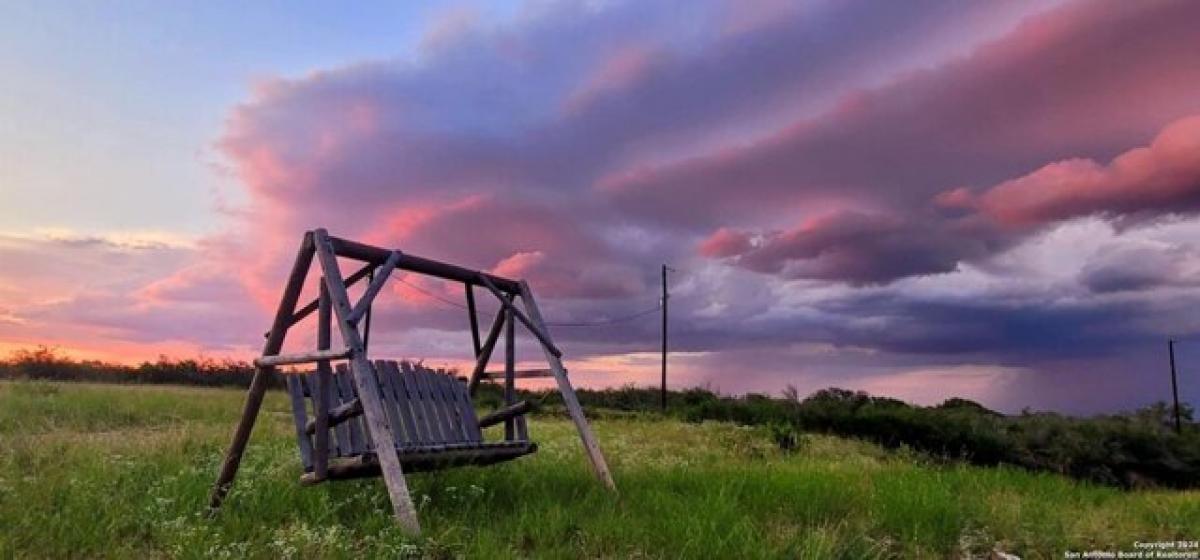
(429, 458)
(404, 420)
(368, 390)
(511, 411)
(485, 353)
(510, 382)
(302, 358)
(258, 385)
(382, 274)
(300, 419)
(344, 418)
(311, 306)
(322, 382)
(539, 331)
(356, 432)
(590, 445)
(336, 415)
(473, 317)
(445, 401)
(412, 263)
(383, 417)
(537, 373)
(438, 399)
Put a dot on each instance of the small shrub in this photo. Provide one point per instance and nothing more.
(786, 437)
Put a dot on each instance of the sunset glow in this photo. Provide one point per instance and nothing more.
(995, 200)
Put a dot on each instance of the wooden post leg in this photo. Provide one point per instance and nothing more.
(262, 375)
(241, 436)
(473, 317)
(324, 380)
(485, 353)
(510, 383)
(385, 446)
(368, 389)
(599, 465)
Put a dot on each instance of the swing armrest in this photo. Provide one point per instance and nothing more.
(507, 413)
(339, 414)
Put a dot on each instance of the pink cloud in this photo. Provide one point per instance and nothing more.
(520, 238)
(119, 299)
(725, 242)
(519, 265)
(1055, 87)
(1160, 178)
(624, 67)
(1163, 177)
(573, 279)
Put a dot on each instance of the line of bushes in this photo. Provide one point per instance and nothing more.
(45, 363)
(1133, 449)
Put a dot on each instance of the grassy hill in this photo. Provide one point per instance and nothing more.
(119, 471)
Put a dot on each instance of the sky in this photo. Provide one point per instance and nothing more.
(928, 199)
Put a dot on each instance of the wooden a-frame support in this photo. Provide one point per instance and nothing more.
(333, 306)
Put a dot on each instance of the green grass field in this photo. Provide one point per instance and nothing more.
(124, 471)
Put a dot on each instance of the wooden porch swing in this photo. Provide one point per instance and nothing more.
(426, 417)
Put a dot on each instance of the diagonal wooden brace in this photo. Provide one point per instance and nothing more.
(590, 445)
(312, 306)
(537, 331)
(262, 375)
(485, 353)
(381, 277)
(368, 389)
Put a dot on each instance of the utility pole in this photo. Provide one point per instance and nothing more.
(1174, 385)
(664, 337)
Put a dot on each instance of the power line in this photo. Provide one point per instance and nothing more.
(612, 321)
(566, 324)
(431, 294)
(1174, 385)
(665, 296)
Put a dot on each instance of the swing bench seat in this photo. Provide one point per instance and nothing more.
(427, 458)
(430, 415)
